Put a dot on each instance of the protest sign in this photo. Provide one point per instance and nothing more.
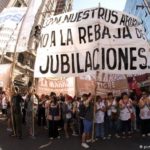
(98, 39)
(57, 85)
(10, 21)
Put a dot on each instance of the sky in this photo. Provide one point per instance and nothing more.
(110, 4)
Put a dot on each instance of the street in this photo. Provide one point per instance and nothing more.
(42, 142)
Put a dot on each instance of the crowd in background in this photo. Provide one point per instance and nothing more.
(114, 117)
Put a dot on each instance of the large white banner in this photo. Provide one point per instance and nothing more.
(79, 43)
(10, 21)
(15, 20)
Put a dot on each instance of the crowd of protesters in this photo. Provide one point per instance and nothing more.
(87, 116)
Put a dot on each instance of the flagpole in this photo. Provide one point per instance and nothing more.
(94, 103)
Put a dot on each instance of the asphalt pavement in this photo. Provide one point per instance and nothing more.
(42, 142)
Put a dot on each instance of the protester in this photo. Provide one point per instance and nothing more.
(99, 117)
(41, 111)
(87, 122)
(67, 110)
(82, 110)
(16, 104)
(29, 111)
(126, 114)
(112, 116)
(9, 122)
(54, 118)
(144, 105)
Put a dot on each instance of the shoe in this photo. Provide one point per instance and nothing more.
(74, 134)
(89, 141)
(9, 129)
(148, 134)
(108, 138)
(109, 135)
(143, 135)
(104, 138)
(117, 136)
(85, 145)
(51, 138)
(58, 137)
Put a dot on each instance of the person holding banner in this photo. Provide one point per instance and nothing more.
(126, 114)
(87, 121)
(144, 105)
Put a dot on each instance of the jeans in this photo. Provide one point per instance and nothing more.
(99, 130)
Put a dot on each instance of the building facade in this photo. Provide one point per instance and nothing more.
(141, 9)
(25, 61)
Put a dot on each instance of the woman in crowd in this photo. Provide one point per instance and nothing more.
(112, 116)
(144, 105)
(100, 109)
(67, 110)
(54, 118)
(126, 112)
(41, 111)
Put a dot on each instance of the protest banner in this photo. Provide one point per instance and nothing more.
(103, 83)
(111, 83)
(98, 39)
(57, 85)
(10, 21)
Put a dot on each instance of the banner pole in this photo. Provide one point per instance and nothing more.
(94, 103)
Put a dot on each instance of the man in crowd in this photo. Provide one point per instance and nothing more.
(17, 115)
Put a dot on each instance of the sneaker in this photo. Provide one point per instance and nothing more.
(89, 141)
(85, 145)
(148, 134)
(58, 137)
(109, 135)
(51, 138)
(75, 134)
(143, 135)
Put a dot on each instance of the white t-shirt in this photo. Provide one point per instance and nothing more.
(145, 112)
(112, 108)
(99, 116)
(124, 113)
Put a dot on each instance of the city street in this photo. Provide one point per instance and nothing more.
(42, 142)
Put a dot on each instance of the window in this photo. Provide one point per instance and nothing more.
(21, 58)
